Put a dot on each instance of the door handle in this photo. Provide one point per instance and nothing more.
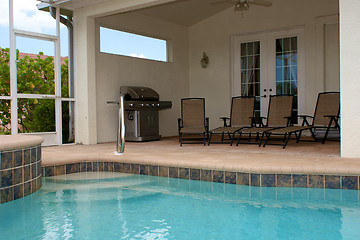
(264, 96)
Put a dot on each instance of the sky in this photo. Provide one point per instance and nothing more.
(27, 17)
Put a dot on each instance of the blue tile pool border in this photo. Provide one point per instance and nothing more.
(20, 172)
(212, 175)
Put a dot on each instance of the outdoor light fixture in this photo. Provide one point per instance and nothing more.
(204, 61)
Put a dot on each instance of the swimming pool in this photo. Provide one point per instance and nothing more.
(123, 206)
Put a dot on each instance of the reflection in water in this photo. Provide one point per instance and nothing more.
(145, 207)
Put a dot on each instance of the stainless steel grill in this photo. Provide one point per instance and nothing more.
(142, 107)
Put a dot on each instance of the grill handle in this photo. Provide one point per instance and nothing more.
(120, 144)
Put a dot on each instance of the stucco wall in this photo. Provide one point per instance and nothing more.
(169, 79)
(213, 37)
(349, 74)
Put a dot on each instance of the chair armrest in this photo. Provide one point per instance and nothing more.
(289, 122)
(335, 119)
(305, 116)
(225, 121)
(305, 121)
(261, 121)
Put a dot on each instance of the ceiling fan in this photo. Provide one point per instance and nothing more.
(243, 5)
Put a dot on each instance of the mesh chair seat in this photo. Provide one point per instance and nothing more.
(193, 130)
(256, 129)
(220, 130)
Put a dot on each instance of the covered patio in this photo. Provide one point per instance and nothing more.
(193, 27)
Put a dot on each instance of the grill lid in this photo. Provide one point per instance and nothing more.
(138, 93)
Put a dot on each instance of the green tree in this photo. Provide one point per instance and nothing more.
(34, 76)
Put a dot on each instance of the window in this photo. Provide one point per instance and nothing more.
(287, 69)
(250, 72)
(132, 45)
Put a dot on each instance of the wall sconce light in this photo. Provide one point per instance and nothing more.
(204, 61)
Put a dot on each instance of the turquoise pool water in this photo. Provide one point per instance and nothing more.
(124, 206)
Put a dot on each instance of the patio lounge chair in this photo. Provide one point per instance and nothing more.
(326, 117)
(279, 115)
(193, 121)
(241, 116)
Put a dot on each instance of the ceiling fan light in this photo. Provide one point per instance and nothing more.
(246, 6)
(239, 6)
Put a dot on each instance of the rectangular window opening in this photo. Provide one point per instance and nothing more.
(132, 45)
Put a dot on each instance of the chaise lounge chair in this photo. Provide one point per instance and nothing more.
(326, 117)
(279, 115)
(241, 116)
(193, 121)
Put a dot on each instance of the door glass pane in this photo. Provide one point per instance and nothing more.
(287, 70)
(250, 72)
(35, 66)
(36, 115)
(5, 117)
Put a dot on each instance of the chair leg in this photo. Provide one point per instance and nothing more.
(287, 140)
(229, 135)
(210, 136)
(262, 138)
(285, 135)
(232, 139)
(313, 134)
(327, 131)
(237, 143)
(222, 136)
(180, 139)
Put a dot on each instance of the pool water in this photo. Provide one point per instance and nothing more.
(125, 206)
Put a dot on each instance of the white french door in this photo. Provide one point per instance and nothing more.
(269, 63)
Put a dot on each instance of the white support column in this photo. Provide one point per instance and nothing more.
(13, 71)
(57, 65)
(350, 77)
(84, 46)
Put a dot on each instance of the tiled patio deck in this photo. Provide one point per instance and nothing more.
(302, 158)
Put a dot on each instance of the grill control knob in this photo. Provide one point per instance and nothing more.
(131, 104)
(142, 104)
(158, 104)
(153, 105)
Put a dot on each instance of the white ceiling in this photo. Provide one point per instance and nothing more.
(186, 12)
(183, 12)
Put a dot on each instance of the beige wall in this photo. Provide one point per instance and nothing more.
(85, 52)
(169, 79)
(213, 37)
(349, 75)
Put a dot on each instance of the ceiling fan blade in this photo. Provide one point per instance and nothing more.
(224, 1)
(261, 3)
